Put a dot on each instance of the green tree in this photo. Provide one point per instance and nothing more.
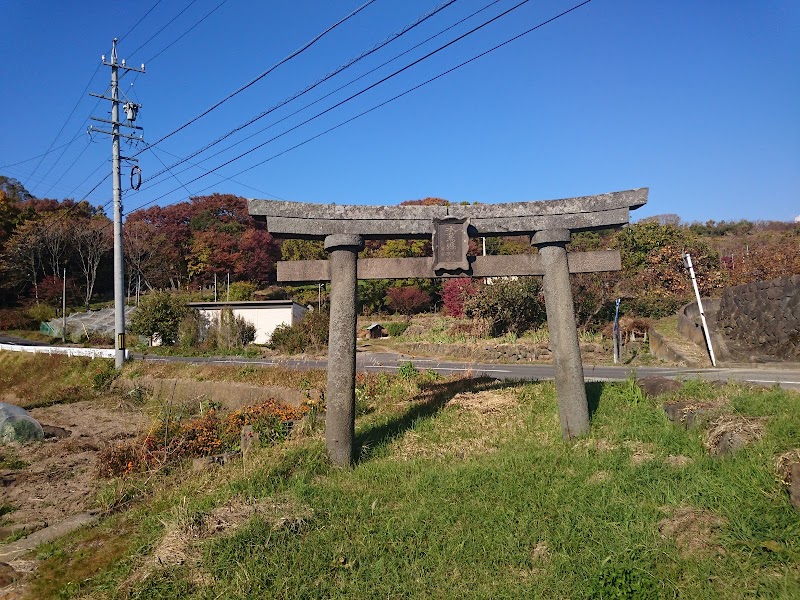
(303, 250)
(159, 315)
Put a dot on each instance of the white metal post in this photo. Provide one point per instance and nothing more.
(688, 260)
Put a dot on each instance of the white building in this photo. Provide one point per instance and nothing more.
(266, 315)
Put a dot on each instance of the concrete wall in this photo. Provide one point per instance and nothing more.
(265, 316)
(764, 315)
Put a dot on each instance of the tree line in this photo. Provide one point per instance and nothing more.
(183, 246)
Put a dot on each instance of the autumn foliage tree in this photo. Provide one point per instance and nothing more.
(407, 300)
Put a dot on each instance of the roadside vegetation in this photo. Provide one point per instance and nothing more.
(190, 250)
(463, 488)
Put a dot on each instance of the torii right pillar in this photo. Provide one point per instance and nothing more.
(573, 407)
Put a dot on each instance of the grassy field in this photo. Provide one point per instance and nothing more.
(464, 489)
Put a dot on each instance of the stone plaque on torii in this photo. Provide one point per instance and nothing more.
(549, 224)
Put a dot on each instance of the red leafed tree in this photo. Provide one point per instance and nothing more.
(259, 253)
(407, 300)
(454, 292)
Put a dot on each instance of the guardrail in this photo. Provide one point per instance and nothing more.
(90, 352)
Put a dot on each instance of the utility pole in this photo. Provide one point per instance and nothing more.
(131, 110)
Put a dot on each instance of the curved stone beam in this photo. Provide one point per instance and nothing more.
(316, 221)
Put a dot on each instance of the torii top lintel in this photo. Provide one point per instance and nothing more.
(316, 221)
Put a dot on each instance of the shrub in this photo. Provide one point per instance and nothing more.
(41, 312)
(204, 436)
(407, 299)
(104, 376)
(159, 315)
(192, 329)
(241, 290)
(509, 305)
(397, 328)
(311, 333)
(16, 318)
(230, 331)
(454, 292)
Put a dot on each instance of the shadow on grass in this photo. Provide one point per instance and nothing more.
(594, 389)
(436, 395)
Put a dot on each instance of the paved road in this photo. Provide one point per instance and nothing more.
(765, 375)
(12, 339)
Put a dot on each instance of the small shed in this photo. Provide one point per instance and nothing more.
(375, 331)
(266, 315)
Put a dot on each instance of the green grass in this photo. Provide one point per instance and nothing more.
(450, 502)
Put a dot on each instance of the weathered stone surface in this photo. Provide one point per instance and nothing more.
(206, 462)
(573, 409)
(794, 488)
(450, 243)
(657, 386)
(687, 413)
(340, 399)
(759, 316)
(480, 266)
(305, 210)
(300, 219)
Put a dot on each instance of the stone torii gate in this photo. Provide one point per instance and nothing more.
(549, 224)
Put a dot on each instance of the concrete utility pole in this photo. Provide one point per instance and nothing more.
(131, 110)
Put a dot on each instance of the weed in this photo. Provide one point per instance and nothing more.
(104, 376)
(397, 328)
(10, 460)
(407, 371)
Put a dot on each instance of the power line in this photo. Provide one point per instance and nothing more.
(302, 49)
(308, 88)
(384, 103)
(170, 22)
(142, 18)
(197, 165)
(180, 37)
(297, 52)
(155, 175)
(79, 134)
(50, 147)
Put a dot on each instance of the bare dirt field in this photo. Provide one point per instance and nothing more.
(52, 480)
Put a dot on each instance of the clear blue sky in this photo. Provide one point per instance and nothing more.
(700, 101)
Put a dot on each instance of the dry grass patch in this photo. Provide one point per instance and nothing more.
(678, 461)
(482, 421)
(693, 530)
(598, 477)
(640, 452)
(783, 466)
(729, 433)
(596, 444)
(184, 536)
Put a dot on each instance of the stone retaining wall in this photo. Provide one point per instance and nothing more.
(764, 315)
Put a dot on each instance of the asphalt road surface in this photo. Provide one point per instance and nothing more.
(367, 361)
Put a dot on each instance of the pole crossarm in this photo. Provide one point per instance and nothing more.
(316, 221)
(480, 266)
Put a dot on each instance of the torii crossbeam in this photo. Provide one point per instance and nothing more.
(549, 224)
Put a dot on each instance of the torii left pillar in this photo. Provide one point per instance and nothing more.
(340, 399)
(573, 409)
